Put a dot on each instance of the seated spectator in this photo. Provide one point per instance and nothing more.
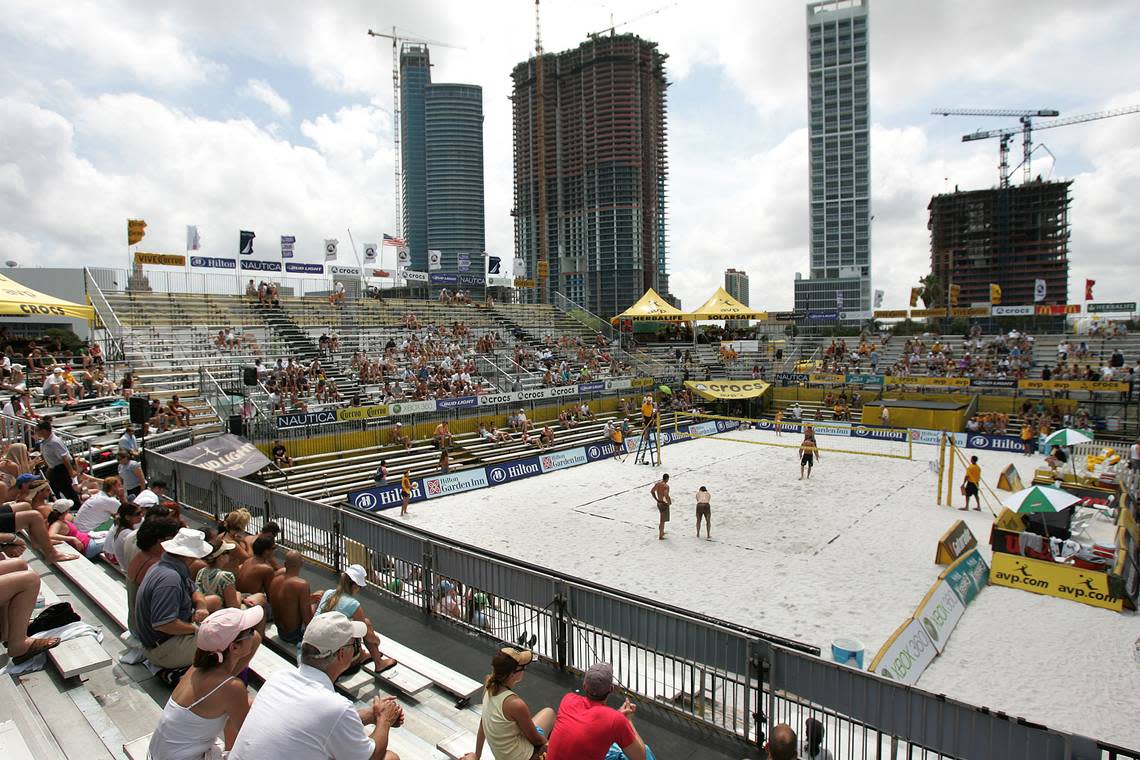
(233, 529)
(298, 714)
(380, 477)
(19, 588)
(506, 725)
(217, 583)
(128, 442)
(399, 438)
(532, 440)
(343, 599)
(782, 743)
(155, 529)
(127, 520)
(566, 420)
(290, 599)
(584, 412)
(23, 516)
(442, 436)
(178, 411)
(255, 573)
(101, 507)
(586, 728)
(444, 462)
(210, 702)
(167, 605)
(1057, 458)
(270, 530)
(61, 527)
(280, 455)
(812, 747)
(154, 493)
(547, 436)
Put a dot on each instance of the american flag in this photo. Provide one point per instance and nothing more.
(390, 240)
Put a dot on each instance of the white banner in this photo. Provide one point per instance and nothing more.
(911, 650)
(330, 249)
(403, 257)
(1013, 311)
(435, 260)
(500, 281)
(351, 271)
(403, 408)
(879, 299)
(520, 267)
(369, 253)
(856, 315)
(412, 276)
(939, 614)
(1038, 291)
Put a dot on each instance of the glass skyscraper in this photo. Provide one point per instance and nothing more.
(415, 75)
(839, 270)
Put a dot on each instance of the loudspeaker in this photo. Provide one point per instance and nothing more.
(234, 424)
(139, 409)
(249, 375)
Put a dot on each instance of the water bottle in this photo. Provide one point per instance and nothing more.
(39, 602)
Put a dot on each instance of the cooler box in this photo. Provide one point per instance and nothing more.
(844, 650)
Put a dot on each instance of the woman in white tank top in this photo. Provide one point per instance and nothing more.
(210, 701)
(507, 727)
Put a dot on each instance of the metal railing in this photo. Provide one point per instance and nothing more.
(581, 314)
(21, 430)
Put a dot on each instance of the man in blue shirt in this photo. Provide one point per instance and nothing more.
(167, 604)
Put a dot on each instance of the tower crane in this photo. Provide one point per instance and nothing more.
(1026, 117)
(397, 40)
(1026, 128)
(613, 26)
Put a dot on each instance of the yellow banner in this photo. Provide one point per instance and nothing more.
(941, 382)
(1053, 579)
(160, 259)
(362, 412)
(1072, 385)
(920, 313)
(971, 311)
(641, 382)
(523, 282)
(824, 377)
(727, 389)
(890, 314)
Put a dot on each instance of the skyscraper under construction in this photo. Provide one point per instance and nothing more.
(604, 159)
(1010, 236)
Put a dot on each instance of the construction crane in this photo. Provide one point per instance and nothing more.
(1026, 117)
(397, 40)
(613, 26)
(543, 267)
(1026, 128)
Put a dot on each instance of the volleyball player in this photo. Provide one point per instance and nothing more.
(809, 451)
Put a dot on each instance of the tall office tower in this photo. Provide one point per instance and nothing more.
(839, 159)
(736, 283)
(1007, 236)
(603, 142)
(453, 126)
(441, 151)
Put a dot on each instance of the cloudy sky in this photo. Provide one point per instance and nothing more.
(276, 117)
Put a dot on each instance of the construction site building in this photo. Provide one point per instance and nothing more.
(603, 139)
(1009, 236)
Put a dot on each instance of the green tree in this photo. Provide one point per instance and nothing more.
(933, 293)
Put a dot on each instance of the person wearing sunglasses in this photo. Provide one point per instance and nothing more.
(208, 706)
(507, 727)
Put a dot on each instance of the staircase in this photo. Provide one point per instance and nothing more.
(304, 349)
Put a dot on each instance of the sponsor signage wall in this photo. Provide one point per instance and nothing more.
(967, 576)
(304, 419)
(443, 278)
(954, 543)
(890, 313)
(939, 613)
(1073, 385)
(1012, 311)
(939, 382)
(298, 267)
(160, 259)
(404, 408)
(350, 271)
(362, 412)
(1122, 307)
(1058, 310)
(413, 276)
(498, 474)
(1053, 579)
(384, 497)
(560, 460)
(471, 279)
(454, 482)
(906, 655)
(252, 265)
(212, 262)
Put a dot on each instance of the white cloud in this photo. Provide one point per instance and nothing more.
(263, 92)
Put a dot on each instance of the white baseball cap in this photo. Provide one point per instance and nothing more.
(357, 575)
(330, 631)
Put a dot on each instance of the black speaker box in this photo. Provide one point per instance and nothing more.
(139, 410)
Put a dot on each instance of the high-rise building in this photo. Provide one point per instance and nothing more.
(736, 283)
(453, 127)
(839, 269)
(603, 143)
(441, 152)
(1008, 236)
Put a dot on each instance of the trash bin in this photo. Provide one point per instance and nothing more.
(844, 650)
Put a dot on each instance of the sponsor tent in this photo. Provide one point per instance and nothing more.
(723, 306)
(17, 299)
(651, 307)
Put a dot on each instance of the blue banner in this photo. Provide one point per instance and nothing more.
(463, 263)
(463, 402)
(879, 433)
(505, 472)
(598, 451)
(444, 278)
(302, 419)
(858, 379)
(212, 262)
(253, 265)
(384, 497)
(470, 279)
(298, 267)
(793, 377)
(831, 314)
(592, 386)
(994, 442)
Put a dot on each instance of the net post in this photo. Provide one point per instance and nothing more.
(950, 476)
(941, 468)
(658, 437)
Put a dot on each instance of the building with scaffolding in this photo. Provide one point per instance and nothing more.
(604, 158)
(1010, 236)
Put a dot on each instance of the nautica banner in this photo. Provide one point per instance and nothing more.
(252, 265)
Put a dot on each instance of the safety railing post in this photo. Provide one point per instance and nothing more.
(562, 631)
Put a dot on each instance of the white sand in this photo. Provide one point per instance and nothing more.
(847, 553)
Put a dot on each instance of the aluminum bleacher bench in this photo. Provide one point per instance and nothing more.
(75, 656)
(23, 733)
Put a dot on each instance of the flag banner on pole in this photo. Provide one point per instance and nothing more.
(879, 299)
(495, 264)
(287, 243)
(1088, 289)
(839, 299)
(193, 240)
(463, 262)
(520, 267)
(1038, 291)
(136, 231)
(245, 242)
(330, 249)
(435, 260)
(403, 257)
(393, 240)
(369, 253)
(915, 293)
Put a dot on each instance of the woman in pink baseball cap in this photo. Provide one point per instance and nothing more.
(210, 701)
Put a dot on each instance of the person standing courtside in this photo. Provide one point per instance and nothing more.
(970, 485)
(61, 472)
(660, 493)
(704, 510)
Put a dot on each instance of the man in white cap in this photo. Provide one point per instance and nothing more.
(298, 713)
(586, 727)
(168, 604)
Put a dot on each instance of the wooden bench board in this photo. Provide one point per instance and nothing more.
(451, 681)
(35, 737)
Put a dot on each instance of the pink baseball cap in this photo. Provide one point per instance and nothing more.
(221, 628)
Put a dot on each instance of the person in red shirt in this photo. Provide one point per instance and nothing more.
(586, 727)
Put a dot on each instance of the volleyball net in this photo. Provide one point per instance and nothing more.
(830, 436)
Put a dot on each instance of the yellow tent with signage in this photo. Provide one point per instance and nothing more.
(22, 300)
(651, 307)
(723, 306)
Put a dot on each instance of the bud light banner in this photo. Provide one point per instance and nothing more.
(443, 278)
(517, 470)
(463, 402)
(212, 262)
(297, 267)
(384, 497)
(252, 265)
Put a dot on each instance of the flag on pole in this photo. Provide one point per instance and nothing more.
(494, 265)
(879, 299)
(330, 249)
(435, 260)
(403, 257)
(995, 294)
(1038, 291)
(287, 242)
(915, 294)
(245, 242)
(839, 299)
(1088, 289)
(369, 253)
(520, 267)
(193, 239)
(392, 240)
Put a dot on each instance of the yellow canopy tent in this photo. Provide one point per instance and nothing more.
(651, 307)
(723, 306)
(727, 389)
(20, 299)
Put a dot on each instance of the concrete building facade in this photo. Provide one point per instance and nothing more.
(736, 283)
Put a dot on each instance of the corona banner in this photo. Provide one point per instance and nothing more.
(922, 313)
(728, 389)
(1053, 579)
(890, 313)
(362, 412)
(160, 259)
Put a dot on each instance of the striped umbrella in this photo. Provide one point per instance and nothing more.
(1067, 437)
(1039, 499)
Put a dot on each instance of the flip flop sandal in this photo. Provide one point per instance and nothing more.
(39, 646)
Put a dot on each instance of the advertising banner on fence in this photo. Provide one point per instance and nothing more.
(303, 419)
(300, 267)
(384, 497)
(985, 382)
(161, 259)
(404, 408)
(933, 437)
(1053, 579)
(1058, 310)
(336, 269)
(470, 279)
(826, 377)
(1103, 386)
(939, 612)
(456, 482)
(505, 472)
(226, 454)
(860, 379)
(994, 442)
(924, 313)
(463, 402)
(792, 377)
(905, 654)
(212, 262)
(362, 412)
(967, 576)
(560, 460)
(727, 389)
(253, 265)
(413, 276)
(1012, 311)
(443, 278)
(890, 313)
(1121, 307)
(938, 382)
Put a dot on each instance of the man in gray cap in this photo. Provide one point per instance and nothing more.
(586, 727)
(298, 713)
